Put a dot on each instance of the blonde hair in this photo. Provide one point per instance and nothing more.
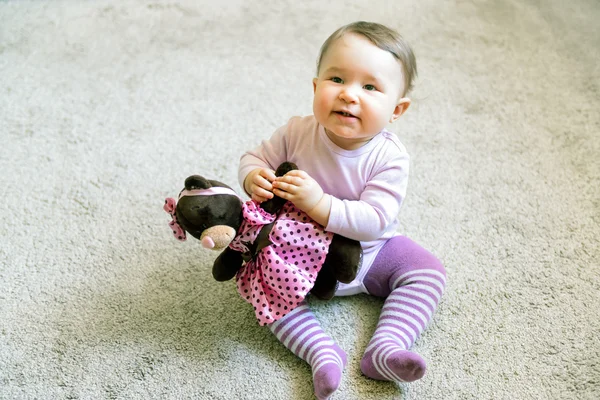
(383, 37)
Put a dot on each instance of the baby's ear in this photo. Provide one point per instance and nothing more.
(400, 109)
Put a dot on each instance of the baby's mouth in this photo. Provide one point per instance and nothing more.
(344, 114)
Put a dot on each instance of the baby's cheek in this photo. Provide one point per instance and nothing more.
(320, 108)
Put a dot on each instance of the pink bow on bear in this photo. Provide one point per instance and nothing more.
(170, 206)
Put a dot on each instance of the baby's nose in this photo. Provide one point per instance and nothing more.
(349, 95)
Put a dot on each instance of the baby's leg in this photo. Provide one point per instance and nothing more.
(413, 281)
(300, 332)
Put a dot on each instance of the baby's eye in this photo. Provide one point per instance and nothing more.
(370, 87)
(335, 79)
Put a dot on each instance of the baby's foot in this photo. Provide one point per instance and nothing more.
(329, 362)
(388, 362)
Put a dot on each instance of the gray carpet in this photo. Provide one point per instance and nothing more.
(106, 107)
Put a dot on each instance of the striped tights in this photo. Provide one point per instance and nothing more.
(412, 280)
(300, 332)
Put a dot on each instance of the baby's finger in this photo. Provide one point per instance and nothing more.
(261, 194)
(288, 180)
(284, 186)
(263, 183)
(282, 194)
(297, 172)
(268, 174)
(257, 199)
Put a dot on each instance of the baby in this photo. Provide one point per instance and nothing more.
(353, 181)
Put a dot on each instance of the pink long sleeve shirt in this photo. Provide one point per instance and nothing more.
(368, 184)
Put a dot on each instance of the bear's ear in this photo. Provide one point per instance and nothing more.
(197, 182)
(285, 167)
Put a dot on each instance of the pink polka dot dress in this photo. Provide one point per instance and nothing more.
(280, 276)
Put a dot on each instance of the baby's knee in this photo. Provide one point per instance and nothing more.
(420, 258)
(416, 261)
(399, 257)
(432, 262)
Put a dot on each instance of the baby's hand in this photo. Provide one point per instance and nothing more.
(258, 184)
(299, 188)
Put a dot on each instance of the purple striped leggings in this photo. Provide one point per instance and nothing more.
(412, 280)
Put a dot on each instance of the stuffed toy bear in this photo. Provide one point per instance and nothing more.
(277, 253)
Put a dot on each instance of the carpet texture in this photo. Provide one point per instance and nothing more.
(106, 107)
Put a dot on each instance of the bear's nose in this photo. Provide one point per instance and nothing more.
(207, 242)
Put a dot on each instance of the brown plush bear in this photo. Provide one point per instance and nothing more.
(213, 213)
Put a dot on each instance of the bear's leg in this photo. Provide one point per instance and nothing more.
(344, 257)
(325, 283)
(227, 265)
(301, 333)
(413, 281)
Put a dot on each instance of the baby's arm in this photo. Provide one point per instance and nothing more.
(256, 169)
(365, 218)
(365, 215)
(376, 209)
